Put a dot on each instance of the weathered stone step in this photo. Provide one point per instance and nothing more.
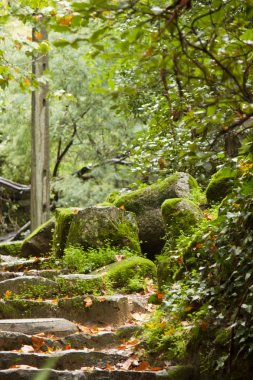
(114, 310)
(46, 273)
(174, 373)
(101, 340)
(61, 360)
(13, 340)
(32, 286)
(57, 326)
(12, 264)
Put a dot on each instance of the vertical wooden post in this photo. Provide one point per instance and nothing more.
(40, 192)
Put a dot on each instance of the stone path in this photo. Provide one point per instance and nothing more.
(80, 337)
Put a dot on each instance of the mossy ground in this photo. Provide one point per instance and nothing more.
(63, 217)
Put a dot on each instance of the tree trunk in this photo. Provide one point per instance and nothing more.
(40, 209)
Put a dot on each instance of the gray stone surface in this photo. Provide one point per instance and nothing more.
(28, 374)
(57, 326)
(15, 340)
(37, 286)
(71, 359)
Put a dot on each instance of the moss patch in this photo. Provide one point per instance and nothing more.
(220, 185)
(129, 275)
(12, 248)
(180, 215)
(78, 287)
(64, 218)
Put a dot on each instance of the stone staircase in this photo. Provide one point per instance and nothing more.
(72, 337)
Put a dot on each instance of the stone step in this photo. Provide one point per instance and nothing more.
(114, 310)
(15, 340)
(12, 264)
(101, 340)
(61, 360)
(30, 286)
(51, 274)
(57, 326)
(28, 374)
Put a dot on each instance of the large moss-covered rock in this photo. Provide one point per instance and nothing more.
(39, 242)
(180, 215)
(11, 248)
(146, 204)
(96, 226)
(64, 217)
(220, 185)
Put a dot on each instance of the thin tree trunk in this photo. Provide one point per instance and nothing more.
(40, 209)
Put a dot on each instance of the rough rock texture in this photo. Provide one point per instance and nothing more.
(94, 226)
(64, 217)
(220, 185)
(39, 242)
(146, 204)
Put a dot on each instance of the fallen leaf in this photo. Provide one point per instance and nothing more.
(37, 342)
(38, 36)
(109, 367)
(102, 299)
(8, 294)
(126, 365)
(143, 366)
(88, 302)
(155, 369)
(122, 207)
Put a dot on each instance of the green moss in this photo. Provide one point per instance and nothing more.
(12, 248)
(130, 274)
(111, 198)
(180, 215)
(153, 196)
(184, 372)
(105, 204)
(6, 310)
(220, 184)
(64, 218)
(77, 287)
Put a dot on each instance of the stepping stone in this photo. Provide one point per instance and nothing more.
(15, 340)
(29, 286)
(28, 374)
(61, 360)
(101, 340)
(14, 265)
(57, 326)
(113, 310)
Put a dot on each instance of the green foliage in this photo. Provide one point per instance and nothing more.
(76, 259)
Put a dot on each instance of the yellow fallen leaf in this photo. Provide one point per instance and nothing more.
(88, 302)
(8, 294)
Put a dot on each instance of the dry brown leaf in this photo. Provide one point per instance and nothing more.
(88, 302)
(143, 366)
(37, 342)
(126, 365)
(120, 257)
(67, 347)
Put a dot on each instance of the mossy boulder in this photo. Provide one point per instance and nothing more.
(94, 227)
(39, 242)
(220, 185)
(180, 215)
(64, 217)
(11, 248)
(146, 204)
(129, 275)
